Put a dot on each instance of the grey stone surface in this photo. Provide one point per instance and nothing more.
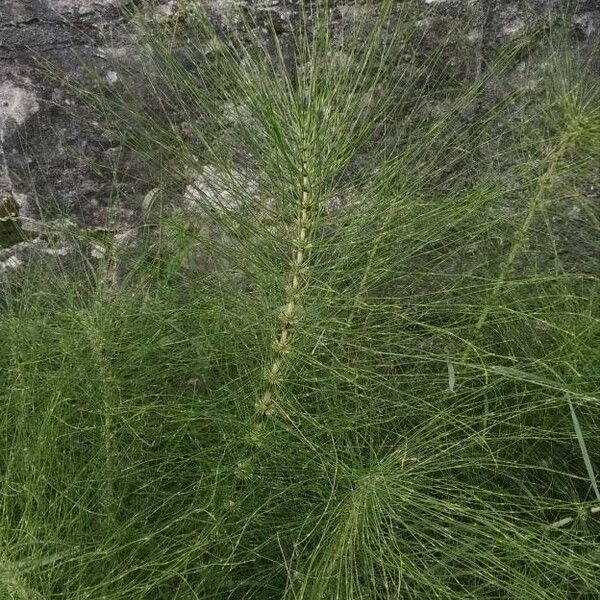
(45, 154)
(47, 157)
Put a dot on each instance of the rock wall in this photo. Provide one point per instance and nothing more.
(47, 158)
(43, 149)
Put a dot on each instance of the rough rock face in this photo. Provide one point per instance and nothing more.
(43, 148)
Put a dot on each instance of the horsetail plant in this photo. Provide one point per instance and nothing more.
(355, 244)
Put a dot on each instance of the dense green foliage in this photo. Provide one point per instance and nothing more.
(370, 373)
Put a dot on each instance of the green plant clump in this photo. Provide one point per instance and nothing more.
(361, 362)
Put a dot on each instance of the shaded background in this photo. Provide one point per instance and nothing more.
(47, 156)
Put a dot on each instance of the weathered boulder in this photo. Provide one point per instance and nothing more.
(49, 160)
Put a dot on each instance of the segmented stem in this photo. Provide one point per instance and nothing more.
(264, 406)
(108, 395)
(538, 201)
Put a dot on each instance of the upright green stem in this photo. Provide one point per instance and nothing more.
(266, 404)
(538, 201)
(546, 182)
(281, 344)
(108, 394)
(11, 581)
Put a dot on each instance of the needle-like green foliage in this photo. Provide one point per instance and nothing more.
(359, 357)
